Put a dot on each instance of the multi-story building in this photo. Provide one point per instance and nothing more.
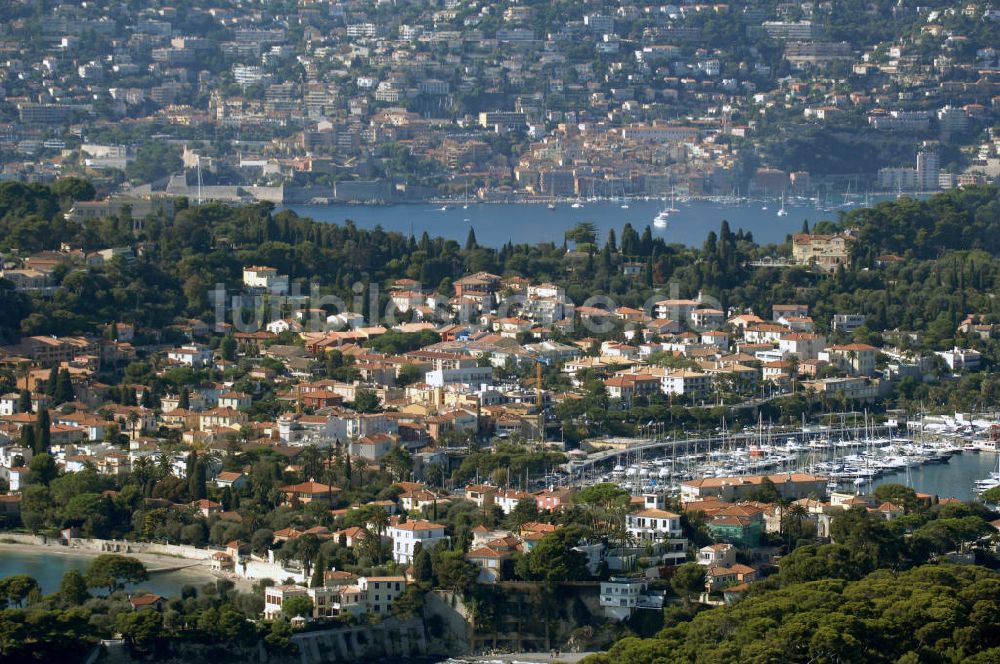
(621, 596)
(790, 485)
(855, 359)
(265, 279)
(651, 525)
(405, 536)
(381, 591)
(823, 251)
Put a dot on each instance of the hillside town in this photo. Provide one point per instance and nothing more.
(378, 444)
(377, 103)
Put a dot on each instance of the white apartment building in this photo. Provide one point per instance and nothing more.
(405, 536)
(460, 376)
(693, 383)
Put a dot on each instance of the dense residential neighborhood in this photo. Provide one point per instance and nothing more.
(373, 102)
(344, 332)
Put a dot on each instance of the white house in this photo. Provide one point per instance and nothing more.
(265, 279)
(804, 345)
(234, 400)
(621, 596)
(715, 555)
(959, 359)
(8, 403)
(191, 355)
(405, 536)
(654, 524)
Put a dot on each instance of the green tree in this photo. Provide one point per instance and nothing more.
(299, 605)
(64, 387)
(141, 629)
(319, 572)
(43, 431)
(43, 469)
(991, 496)
(112, 571)
(688, 581)
(227, 347)
(53, 379)
(24, 402)
(73, 589)
(422, 566)
(71, 190)
(553, 560)
(410, 604)
(15, 589)
(899, 495)
(366, 401)
(153, 161)
(454, 572)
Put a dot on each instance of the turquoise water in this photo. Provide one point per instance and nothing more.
(954, 479)
(48, 569)
(495, 224)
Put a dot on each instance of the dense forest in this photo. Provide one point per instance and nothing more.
(932, 613)
(950, 241)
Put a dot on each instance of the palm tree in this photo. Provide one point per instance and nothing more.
(793, 370)
(380, 524)
(371, 545)
(791, 521)
(852, 357)
(132, 418)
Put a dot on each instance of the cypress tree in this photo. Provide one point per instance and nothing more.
(64, 387)
(24, 402)
(185, 400)
(50, 384)
(28, 437)
(43, 435)
(319, 572)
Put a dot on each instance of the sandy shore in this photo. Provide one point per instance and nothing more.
(186, 570)
(152, 561)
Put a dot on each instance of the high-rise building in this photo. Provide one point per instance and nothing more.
(928, 169)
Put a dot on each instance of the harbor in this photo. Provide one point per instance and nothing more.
(957, 461)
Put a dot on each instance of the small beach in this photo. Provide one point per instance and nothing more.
(47, 562)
